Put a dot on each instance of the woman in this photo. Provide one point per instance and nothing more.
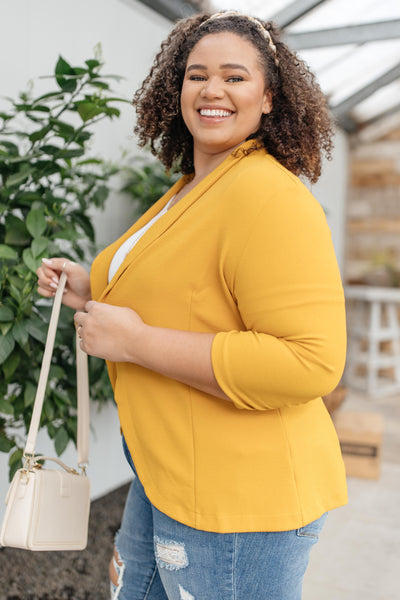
(221, 315)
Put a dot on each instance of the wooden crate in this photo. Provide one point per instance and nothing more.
(360, 436)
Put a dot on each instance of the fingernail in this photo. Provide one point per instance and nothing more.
(55, 279)
(47, 261)
(53, 285)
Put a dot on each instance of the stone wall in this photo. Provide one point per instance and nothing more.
(373, 210)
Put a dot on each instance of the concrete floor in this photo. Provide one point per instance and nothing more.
(358, 555)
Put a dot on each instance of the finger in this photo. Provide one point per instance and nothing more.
(57, 265)
(79, 319)
(47, 293)
(46, 281)
(90, 305)
(46, 273)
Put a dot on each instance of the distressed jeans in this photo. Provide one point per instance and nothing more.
(163, 559)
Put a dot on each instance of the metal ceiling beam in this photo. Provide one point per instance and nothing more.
(171, 9)
(338, 36)
(295, 11)
(344, 107)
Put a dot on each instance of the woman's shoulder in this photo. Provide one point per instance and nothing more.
(259, 181)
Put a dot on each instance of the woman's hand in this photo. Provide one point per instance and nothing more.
(118, 334)
(77, 289)
(110, 332)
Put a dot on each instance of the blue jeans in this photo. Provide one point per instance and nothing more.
(163, 559)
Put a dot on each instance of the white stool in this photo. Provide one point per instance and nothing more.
(372, 320)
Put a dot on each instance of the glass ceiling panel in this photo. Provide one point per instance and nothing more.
(364, 64)
(337, 13)
(382, 100)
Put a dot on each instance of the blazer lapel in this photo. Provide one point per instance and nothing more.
(169, 218)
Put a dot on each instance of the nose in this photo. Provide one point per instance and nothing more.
(213, 88)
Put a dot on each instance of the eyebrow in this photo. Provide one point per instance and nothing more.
(224, 66)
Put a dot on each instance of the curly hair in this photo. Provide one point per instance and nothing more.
(298, 130)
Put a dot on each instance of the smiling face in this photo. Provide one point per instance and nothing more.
(223, 94)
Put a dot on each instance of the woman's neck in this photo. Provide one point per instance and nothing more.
(205, 163)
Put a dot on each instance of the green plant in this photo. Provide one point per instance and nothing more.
(48, 183)
(146, 180)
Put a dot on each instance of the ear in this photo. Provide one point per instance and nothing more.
(267, 102)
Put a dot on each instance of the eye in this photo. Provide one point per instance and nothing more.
(197, 78)
(235, 79)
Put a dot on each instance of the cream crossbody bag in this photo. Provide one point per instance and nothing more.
(48, 509)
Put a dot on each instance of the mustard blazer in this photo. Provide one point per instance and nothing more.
(246, 254)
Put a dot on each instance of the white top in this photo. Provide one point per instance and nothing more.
(127, 246)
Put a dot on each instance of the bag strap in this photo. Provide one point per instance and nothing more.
(82, 386)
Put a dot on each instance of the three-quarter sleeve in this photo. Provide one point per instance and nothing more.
(289, 294)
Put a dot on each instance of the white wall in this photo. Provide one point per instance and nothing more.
(33, 34)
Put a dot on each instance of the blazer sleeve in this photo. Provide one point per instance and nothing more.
(290, 297)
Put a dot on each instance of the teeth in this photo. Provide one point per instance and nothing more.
(208, 112)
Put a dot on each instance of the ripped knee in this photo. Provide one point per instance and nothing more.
(116, 572)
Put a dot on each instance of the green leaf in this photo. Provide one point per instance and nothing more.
(72, 153)
(36, 223)
(92, 63)
(90, 161)
(67, 234)
(29, 393)
(5, 443)
(99, 84)
(16, 232)
(7, 253)
(48, 408)
(39, 134)
(15, 457)
(6, 314)
(86, 224)
(63, 74)
(100, 195)
(5, 328)
(62, 127)
(51, 96)
(10, 365)
(11, 148)
(32, 263)
(39, 246)
(50, 149)
(7, 344)
(62, 396)
(61, 440)
(32, 107)
(29, 198)
(112, 112)
(20, 177)
(44, 168)
(20, 333)
(88, 110)
(13, 469)
(36, 329)
(6, 407)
